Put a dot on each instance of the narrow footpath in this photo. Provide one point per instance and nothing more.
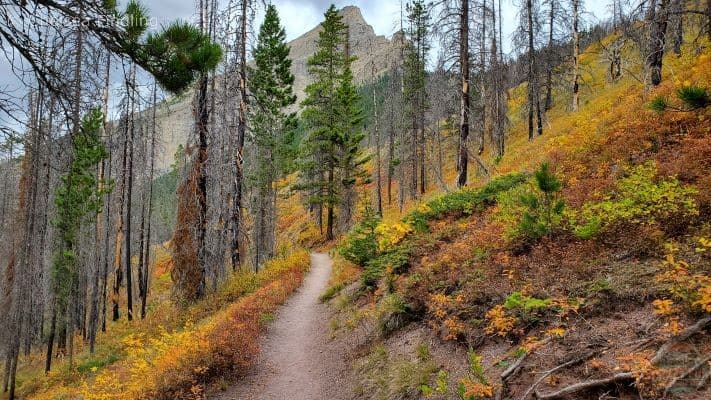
(298, 360)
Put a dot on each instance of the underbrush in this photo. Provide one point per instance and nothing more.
(386, 377)
(180, 362)
(618, 222)
(378, 246)
(344, 272)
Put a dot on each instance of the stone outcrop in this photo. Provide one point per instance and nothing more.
(375, 55)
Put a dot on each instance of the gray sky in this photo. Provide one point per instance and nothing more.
(300, 16)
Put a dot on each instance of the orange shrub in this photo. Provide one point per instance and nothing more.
(179, 364)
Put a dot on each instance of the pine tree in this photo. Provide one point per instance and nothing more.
(332, 160)
(318, 166)
(77, 198)
(543, 209)
(351, 155)
(271, 85)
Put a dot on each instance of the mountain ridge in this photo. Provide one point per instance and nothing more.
(375, 55)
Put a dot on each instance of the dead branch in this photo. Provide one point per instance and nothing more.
(704, 380)
(618, 378)
(688, 372)
(514, 368)
(627, 376)
(684, 335)
(574, 361)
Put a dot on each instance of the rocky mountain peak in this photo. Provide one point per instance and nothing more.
(374, 54)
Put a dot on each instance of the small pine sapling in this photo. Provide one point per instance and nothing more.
(543, 209)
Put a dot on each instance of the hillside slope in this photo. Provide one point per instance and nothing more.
(488, 292)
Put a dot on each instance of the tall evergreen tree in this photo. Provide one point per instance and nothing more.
(77, 199)
(351, 156)
(331, 157)
(319, 114)
(271, 86)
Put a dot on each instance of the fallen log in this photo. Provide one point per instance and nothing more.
(558, 368)
(619, 378)
(702, 362)
(683, 335)
(699, 326)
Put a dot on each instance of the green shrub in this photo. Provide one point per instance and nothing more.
(525, 308)
(395, 258)
(392, 314)
(693, 96)
(463, 202)
(659, 104)
(331, 292)
(386, 377)
(439, 387)
(361, 244)
(93, 364)
(543, 209)
(637, 199)
(516, 300)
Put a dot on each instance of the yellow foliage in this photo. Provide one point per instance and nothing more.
(476, 390)
(390, 235)
(556, 332)
(663, 307)
(500, 322)
(159, 363)
(455, 327)
(692, 289)
(704, 301)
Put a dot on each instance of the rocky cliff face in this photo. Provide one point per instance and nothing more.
(375, 55)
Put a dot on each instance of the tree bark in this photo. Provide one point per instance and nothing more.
(464, 99)
(549, 71)
(576, 55)
(129, 198)
(677, 29)
(378, 166)
(391, 153)
(657, 18)
(241, 130)
(532, 87)
(118, 272)
(50, 339)
(329, 208)
(147, 255)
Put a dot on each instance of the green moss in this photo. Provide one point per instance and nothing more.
(518, 301)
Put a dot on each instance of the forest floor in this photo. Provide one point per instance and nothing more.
(298, 359)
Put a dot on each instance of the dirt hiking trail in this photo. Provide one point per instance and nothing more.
(297, 359)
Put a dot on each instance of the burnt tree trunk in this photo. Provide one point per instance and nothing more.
(464, 98)
(241, 130)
